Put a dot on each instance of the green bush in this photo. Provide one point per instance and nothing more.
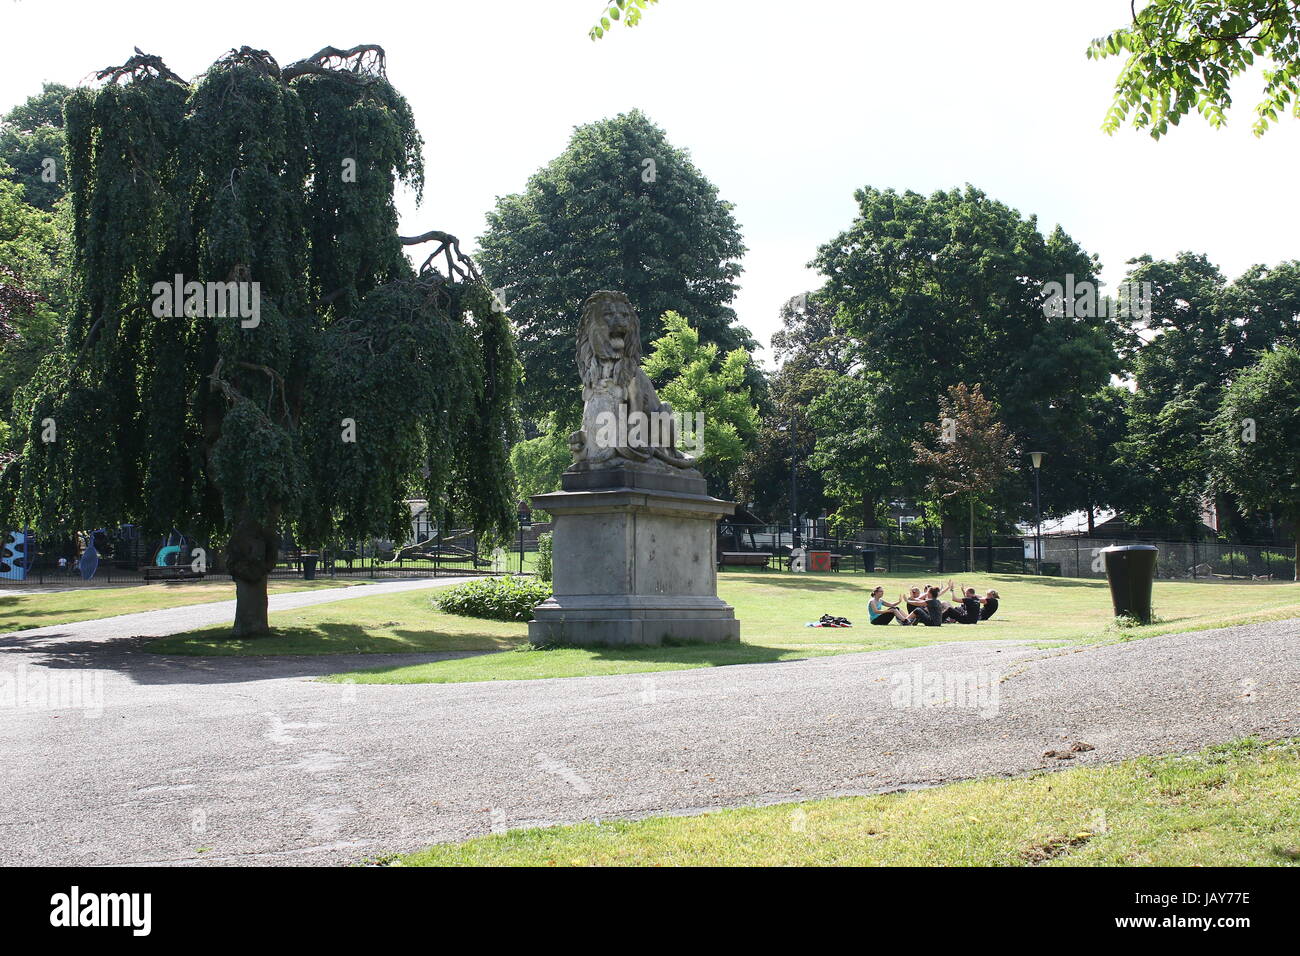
(1232, 562)
(497, 598)
(544, 557)
(1281, 566)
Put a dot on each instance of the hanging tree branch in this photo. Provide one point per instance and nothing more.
(139, 66)
(458, 264)
(365, 61)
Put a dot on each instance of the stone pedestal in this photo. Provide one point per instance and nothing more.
(634, 556)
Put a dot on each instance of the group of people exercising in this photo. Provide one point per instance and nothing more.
(925, 605)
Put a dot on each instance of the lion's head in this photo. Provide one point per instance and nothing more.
(609, 332)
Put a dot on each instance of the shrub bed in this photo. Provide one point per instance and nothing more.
(497, 598)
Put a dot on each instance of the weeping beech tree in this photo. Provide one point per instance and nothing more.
(355, 381)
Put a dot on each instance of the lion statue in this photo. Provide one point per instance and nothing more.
(623, 420)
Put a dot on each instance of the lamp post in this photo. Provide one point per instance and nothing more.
(525, 521)
(1037, 458)
(795, 538)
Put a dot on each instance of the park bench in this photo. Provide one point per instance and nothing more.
(184, 572)
(745, 559)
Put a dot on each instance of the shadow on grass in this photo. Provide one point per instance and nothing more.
(324, 638)
(799, 582)
(526, 662)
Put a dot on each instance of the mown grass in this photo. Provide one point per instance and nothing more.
(773, 609)
(1232, 805)
(45, 608)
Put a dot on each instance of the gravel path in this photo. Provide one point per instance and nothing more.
(176, 620)
(250, 762)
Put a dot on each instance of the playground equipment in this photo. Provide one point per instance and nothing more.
(172, 560)
(88, 564)
(16, 555)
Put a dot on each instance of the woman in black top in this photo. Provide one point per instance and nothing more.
(990, 603)
(933, 609)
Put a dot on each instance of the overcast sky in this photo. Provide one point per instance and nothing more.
(788, 111)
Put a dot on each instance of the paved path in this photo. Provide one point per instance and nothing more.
(176, 620)
(252, 762)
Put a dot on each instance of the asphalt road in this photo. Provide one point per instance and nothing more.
(247, 760)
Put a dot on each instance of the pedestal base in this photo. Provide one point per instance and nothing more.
(588, 619)
(633, 562)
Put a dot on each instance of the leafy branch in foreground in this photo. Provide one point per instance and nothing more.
(629, 11)
(1186, 53)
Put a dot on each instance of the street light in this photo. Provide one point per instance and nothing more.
(1037, 458)
(795, 540)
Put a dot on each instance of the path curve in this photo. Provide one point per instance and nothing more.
(188, 617)
(244, 760)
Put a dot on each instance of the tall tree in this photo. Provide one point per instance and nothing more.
(275, 409)
(812, 353)
(1253, 437)
(31, 142)
(1201, 329)
(970, 454)
(704, 386)
(620, 208)
(1186, 53)
(950, 288)
(33, 287)
(855, 452)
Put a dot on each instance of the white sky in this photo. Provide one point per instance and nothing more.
(787, 110)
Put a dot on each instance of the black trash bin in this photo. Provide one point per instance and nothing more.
(869, 560)
(309, 567)
(1130, 569)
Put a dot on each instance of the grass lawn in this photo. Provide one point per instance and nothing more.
(1233, 805)
(772, 607)
(41, 609)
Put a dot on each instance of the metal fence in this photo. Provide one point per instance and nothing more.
(43, 568)
(1076, 556)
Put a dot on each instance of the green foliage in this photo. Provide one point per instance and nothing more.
(30, 135)
(1255, 455)
(692, 378)
(970, 456)
(946, 289)
(812, 353)
(33, 287)
(224, 427)
(629, 11)
(621, 208)
(1186, 53)
(1209, 329)
(538, 462)
(544, 564)
(364, 143)
(497, 598)
(855, 453)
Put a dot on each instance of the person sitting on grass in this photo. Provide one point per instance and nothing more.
(990, 605)
(930, 609)
(914, 600)
(967, 612)
(882, 611)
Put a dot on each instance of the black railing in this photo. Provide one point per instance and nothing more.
(887, 549)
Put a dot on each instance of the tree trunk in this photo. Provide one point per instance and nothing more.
(250, 556)
(250, 608)
(971, 542)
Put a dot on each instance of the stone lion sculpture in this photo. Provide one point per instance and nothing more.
(623, 420)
